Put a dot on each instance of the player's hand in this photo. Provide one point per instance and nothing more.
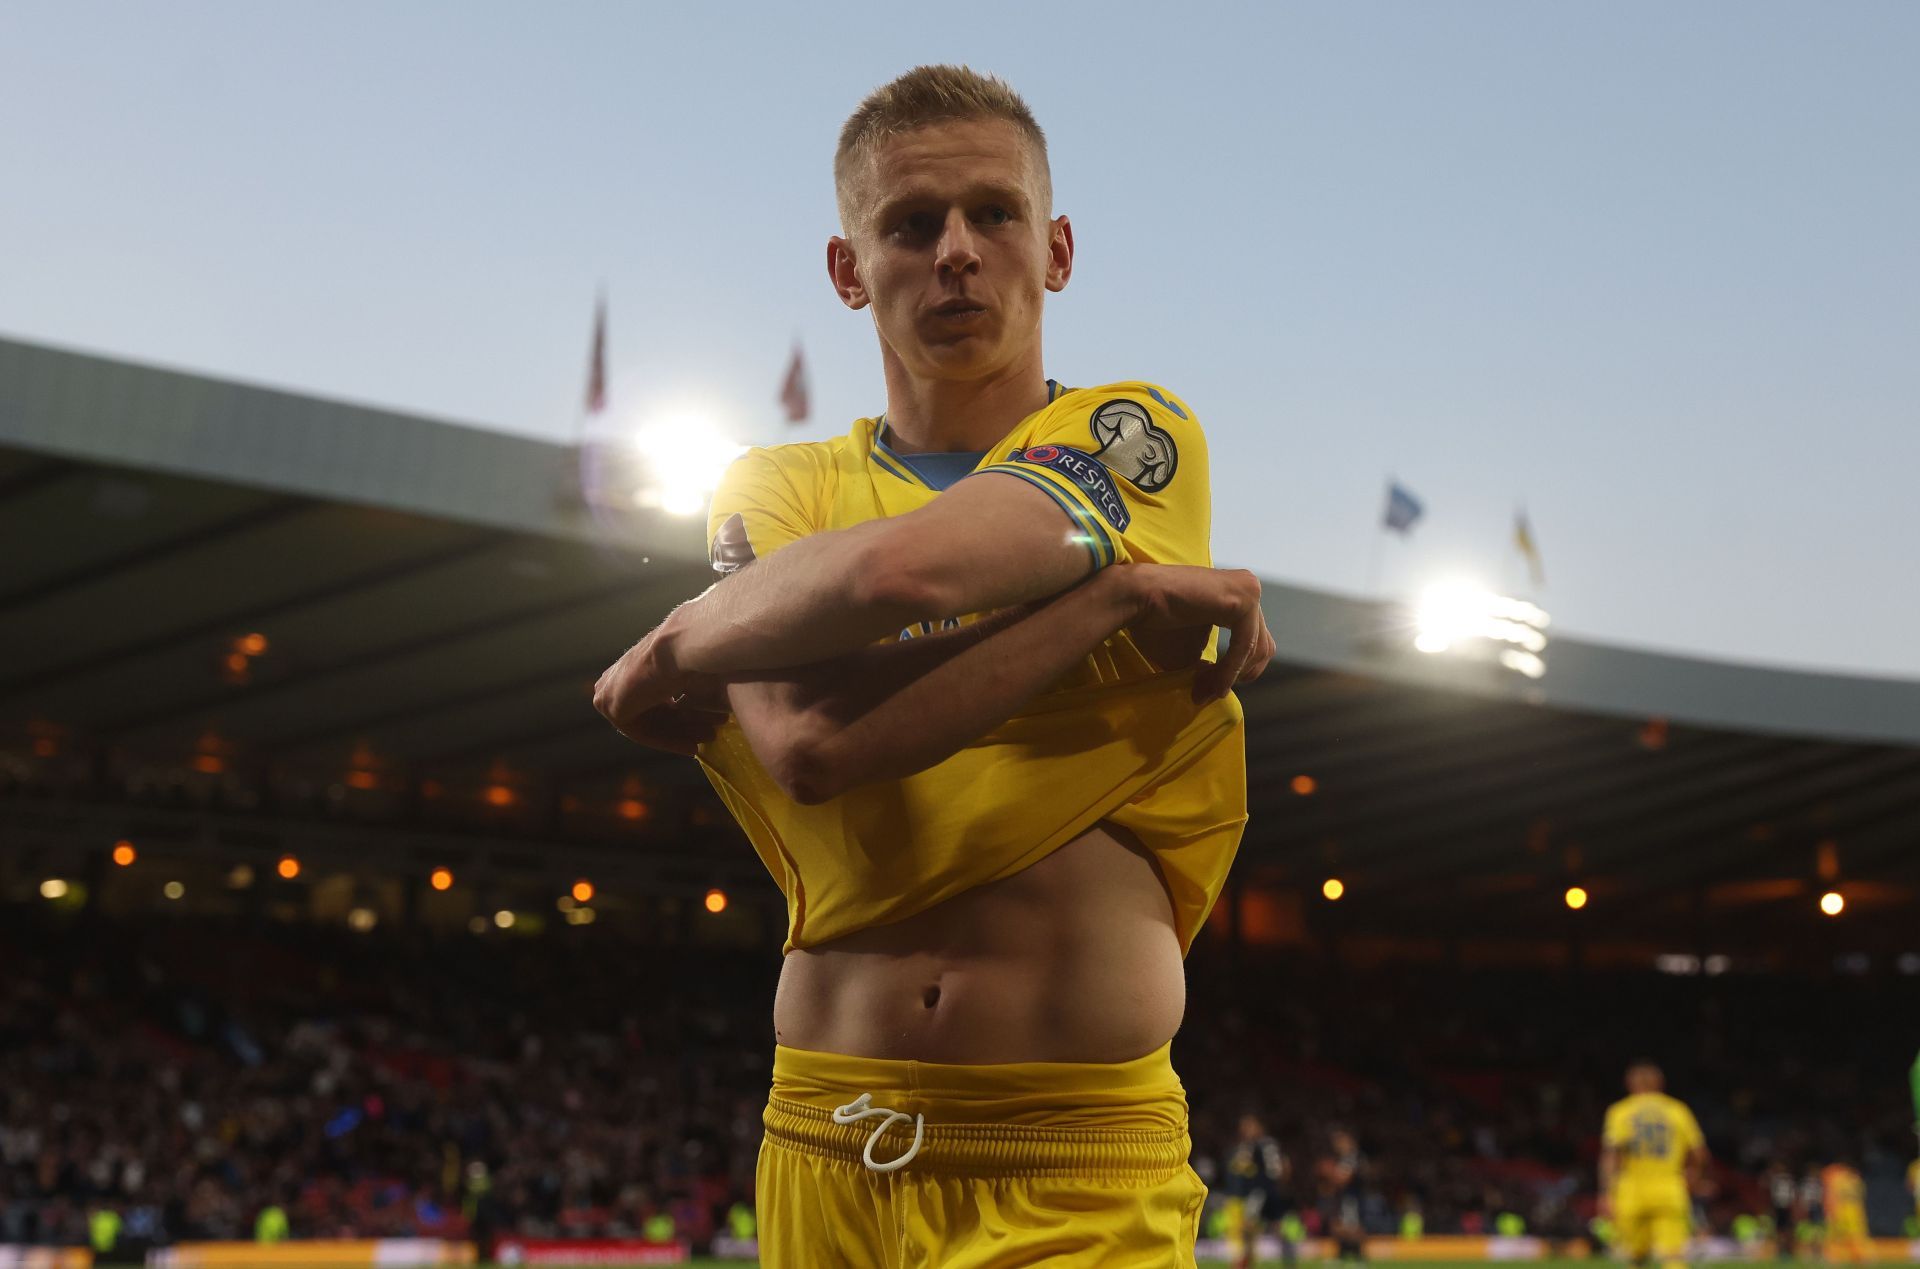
(652, 702)
(1174, 597)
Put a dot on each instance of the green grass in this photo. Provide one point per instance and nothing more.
(1411, 1264)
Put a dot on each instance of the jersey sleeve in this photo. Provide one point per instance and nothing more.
(1128, 464)
(756, 510)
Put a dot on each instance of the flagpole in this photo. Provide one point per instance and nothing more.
(1373, 551)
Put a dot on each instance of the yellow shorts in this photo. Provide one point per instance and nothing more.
(1065, 1164)
(1652, 1228)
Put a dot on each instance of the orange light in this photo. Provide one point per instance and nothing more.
(499, 795)
(124, 854)
(441, 879)
(632, 809)
(288, 868)
(251, 645)
(1832, 903)
(583, 891)
(208, 764)
(1333, 888)
(716, 901)
(1304, 785)
(45, 747)
(363, 779)
(237, 662)
(1576, 897)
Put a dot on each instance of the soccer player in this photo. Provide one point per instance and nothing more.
(1783, 1194)
(1651, 1155)
(1913, 1188)
(1844, 1194)
(1341, 1179)
(1258, 1176)
(977, 732)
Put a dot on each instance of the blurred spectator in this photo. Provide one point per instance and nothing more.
(191, 1076)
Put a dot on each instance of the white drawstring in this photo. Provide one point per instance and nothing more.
(862, 1107)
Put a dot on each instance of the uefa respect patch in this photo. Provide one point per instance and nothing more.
(1088, 475)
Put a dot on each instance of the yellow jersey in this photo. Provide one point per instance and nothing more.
(1654, 1133)
(1842, 1189)
(1117, 740)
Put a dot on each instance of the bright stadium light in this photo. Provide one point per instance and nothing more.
(504, 918)
(441, 879)
(1474, 623)
(124, 854)
(1333, 888)
(1576, 897)
(360, 920)
(716, 901)
(1833, 903)
(678, 463)
(173, 890)
(53, 888)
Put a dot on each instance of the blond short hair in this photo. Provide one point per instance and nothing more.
(923, 96)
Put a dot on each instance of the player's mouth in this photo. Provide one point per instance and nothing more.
(959, 310)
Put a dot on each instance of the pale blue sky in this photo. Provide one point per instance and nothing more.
(1654, 268)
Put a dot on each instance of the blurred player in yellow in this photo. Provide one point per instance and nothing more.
(1913, 1188)
(978, 732)
(1651, 1156)
(1844, 1195)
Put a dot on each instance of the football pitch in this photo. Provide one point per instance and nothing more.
(1584, 1263)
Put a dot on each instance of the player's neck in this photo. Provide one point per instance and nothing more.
(946, 416)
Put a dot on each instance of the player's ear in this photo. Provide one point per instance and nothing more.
(844, 272)
(1059, 253)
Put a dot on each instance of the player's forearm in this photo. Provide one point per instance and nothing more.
(819, 598)
(790, 711)
(929, 717)
(839, 691)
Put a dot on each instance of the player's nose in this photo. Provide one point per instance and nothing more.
(958, 251)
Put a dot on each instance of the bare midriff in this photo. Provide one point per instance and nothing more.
(1074, 959)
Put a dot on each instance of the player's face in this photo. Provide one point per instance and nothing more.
(953, 248)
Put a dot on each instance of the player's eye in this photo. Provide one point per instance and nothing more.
(918, 224)
(995, 215)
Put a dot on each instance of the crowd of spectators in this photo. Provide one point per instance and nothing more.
(191, 1074)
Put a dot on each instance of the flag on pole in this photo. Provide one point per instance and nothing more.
(793, 392)
(1402, 508)
(1523, 540)
(597, 362)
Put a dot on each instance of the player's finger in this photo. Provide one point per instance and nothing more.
(1263, 649)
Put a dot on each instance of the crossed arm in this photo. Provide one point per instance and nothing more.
(789, 643)
(893, 710)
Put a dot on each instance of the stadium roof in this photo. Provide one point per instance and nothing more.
(437, 601)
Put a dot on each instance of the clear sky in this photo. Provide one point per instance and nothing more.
(1652, 268)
